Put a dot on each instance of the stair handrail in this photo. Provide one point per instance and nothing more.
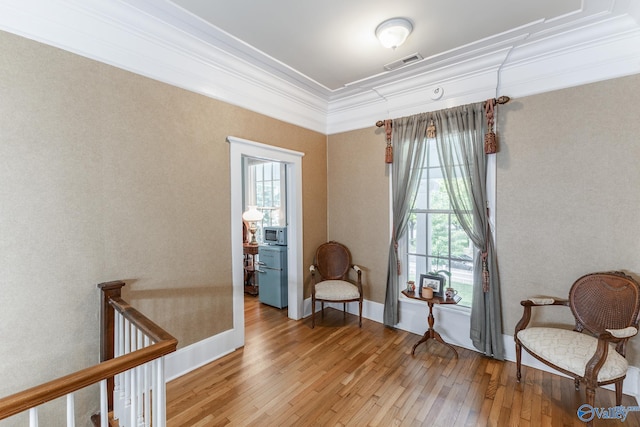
(164, 344)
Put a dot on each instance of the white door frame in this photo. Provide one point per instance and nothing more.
(239, 148)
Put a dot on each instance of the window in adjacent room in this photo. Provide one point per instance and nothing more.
(265, 188)
(434, 240)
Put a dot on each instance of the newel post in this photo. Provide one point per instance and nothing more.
(107, 327)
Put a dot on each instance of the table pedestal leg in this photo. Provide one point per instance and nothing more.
(432, 334)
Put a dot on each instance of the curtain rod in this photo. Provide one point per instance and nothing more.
(500, 100)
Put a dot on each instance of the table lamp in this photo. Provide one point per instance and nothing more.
(252, 215)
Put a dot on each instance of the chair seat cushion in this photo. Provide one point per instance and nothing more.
(336, 290)
(571, 351)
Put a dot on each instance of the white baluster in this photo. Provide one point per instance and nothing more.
(127, 374)
(71, 416)
(159, 397)
(140, 384)
(132, 398)
(104, 403)
(147, 388)
(118, 391)
(132, 379)
(33, 417)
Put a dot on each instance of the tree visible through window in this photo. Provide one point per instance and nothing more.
(435, 240)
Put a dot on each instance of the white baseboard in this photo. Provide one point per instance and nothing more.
(450, 321)
(199, 354)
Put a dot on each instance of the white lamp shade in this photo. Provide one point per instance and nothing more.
(252, 214)
(393, 32)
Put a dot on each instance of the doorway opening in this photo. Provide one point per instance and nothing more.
(292, 162)
(265, 227)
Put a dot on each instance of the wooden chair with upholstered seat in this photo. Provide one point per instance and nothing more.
(605, 307)
(330, 279)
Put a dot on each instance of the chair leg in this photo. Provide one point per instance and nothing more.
(360, 314)
(591, 400)
(619, 393)
(313, 312)
(518, 360)
(591, 395)
(344, 310)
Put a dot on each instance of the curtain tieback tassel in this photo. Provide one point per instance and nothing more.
(485, 273)
(395, 247)
(388, 153)
(490, 143)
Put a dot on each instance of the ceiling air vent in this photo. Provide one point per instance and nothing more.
(402, 62)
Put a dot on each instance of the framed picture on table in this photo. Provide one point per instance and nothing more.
(434, 282)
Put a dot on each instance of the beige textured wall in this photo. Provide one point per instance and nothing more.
(359, 203)
(568, 191)
(109, 175)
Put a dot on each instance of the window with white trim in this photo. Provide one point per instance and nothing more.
(435, 241)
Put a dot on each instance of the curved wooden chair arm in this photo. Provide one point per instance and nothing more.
(358, 270)
(600, 355)
(597, 360)
(536, 302)
(619, 338)
(314, 279)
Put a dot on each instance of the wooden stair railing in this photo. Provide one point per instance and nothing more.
(114, 311)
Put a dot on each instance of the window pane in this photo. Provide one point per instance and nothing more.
(432, 154)
(462, 193)
(461, 246)
(421, 197)
(275, 218)
(268, 167)
(462, 281)
(266, 219)
(437, 263)
(438, 196)
(417, 265)
(438, 235)
(417, 232)
(268, 193)
(276, 193)
(259, 194)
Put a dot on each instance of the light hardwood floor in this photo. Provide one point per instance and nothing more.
(340, 375)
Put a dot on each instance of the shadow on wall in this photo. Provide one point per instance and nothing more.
(191, 314)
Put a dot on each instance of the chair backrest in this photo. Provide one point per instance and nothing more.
(602, 301)
(333, 260)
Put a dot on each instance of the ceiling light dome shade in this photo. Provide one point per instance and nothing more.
(393, 32)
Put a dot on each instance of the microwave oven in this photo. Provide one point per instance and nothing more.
(274, 236)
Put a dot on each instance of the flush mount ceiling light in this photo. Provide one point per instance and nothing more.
(393, 32)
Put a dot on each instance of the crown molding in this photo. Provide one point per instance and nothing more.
(456, 83)
(603, 50)
(157, 40)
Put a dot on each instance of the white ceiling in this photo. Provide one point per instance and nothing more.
(333, 43)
